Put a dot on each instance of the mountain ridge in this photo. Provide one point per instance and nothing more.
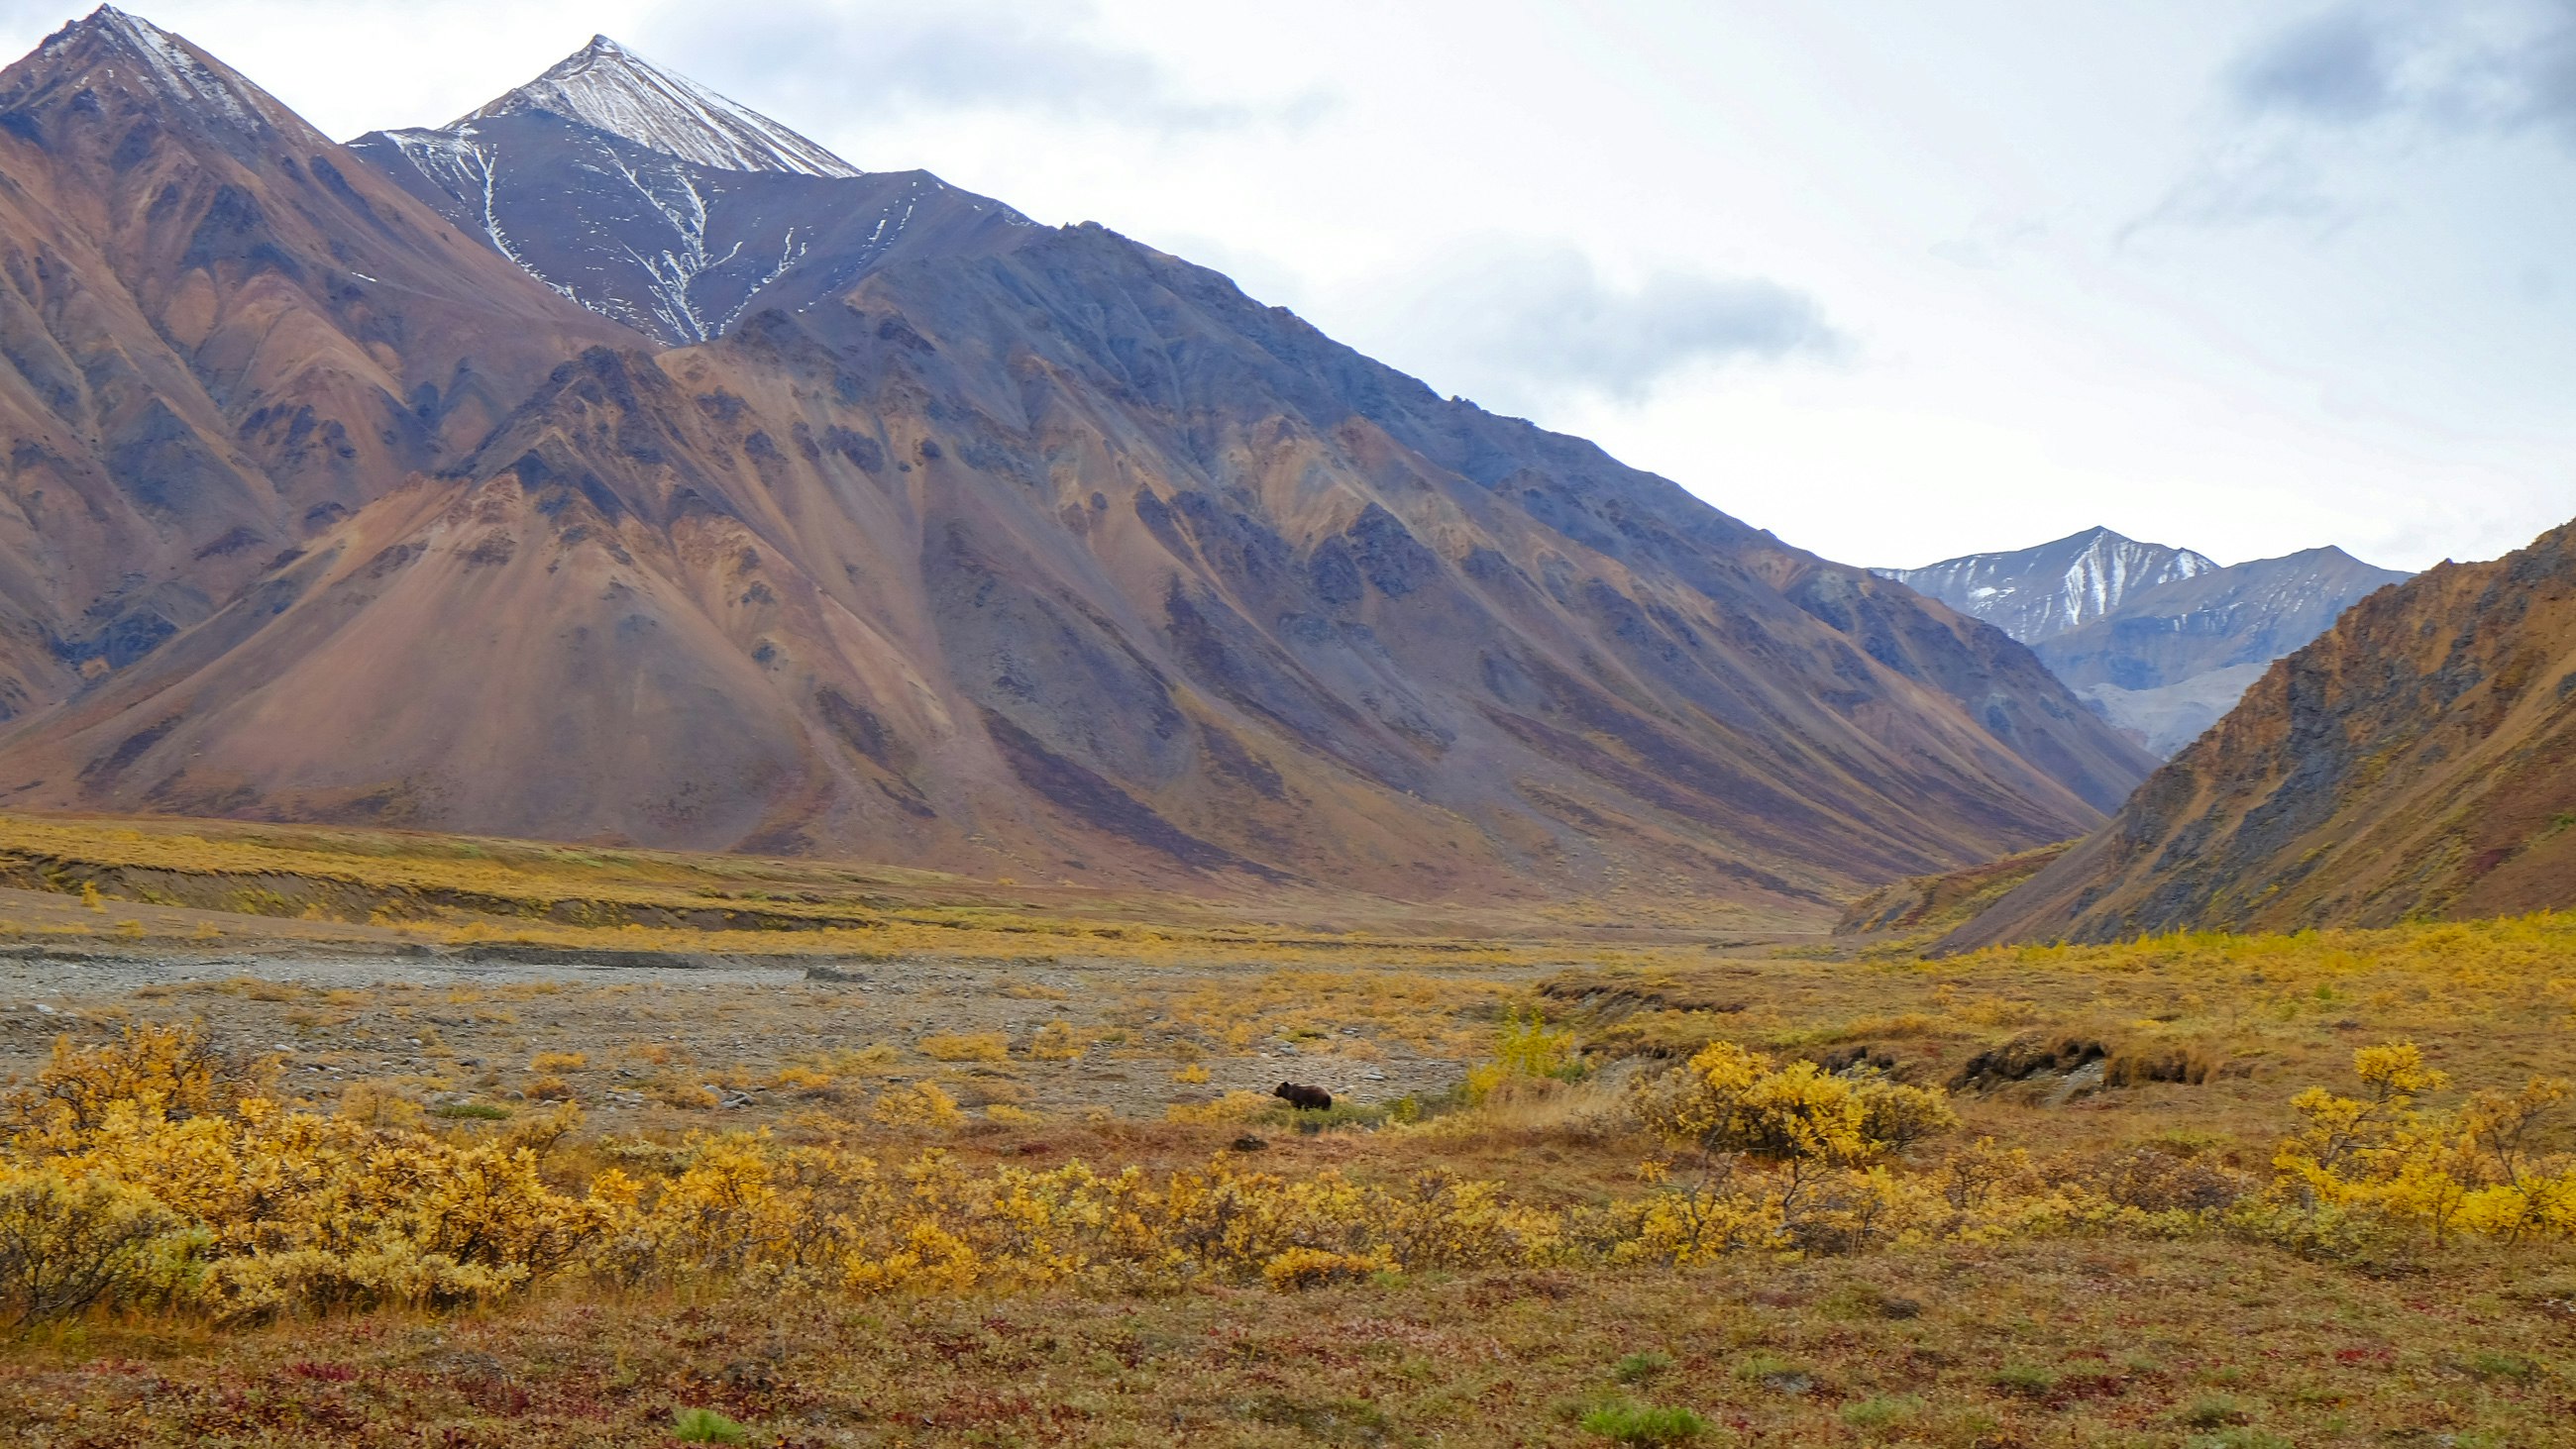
(677, 248)
(2417, 759)
(1026, 552)
(2037, 592)
(609, 88)
(220, 330)
(2168, 661)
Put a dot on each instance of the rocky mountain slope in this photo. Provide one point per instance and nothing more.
(2035, 593)
(668, 208)
(606, 88)
(2168, 661)
(222, 334)
(2418, 759)
(945, 539)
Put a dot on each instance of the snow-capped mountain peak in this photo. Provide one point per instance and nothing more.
(607, 86)
(2034, 593)
(654, 201)
(2109, 568)
(162, 61)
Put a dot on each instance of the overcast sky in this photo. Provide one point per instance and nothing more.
(1896, 279)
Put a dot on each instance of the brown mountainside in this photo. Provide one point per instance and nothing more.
(2418, 759)
(1017, 550)
(2169, 660)
(223, 332)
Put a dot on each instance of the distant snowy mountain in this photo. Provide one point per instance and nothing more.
(610, 88)
(2171, 660)
(2413, 763)
(2034, 593)
(2159, 641)
(649, 199)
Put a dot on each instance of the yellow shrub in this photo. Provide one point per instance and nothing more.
(921, 1107)
(1728, 1099)
(168, 1070)
(66, 1246)
(1056, 1042)
(550, 1089)
(1191, 1075)
(986, 1046)
(862, 1061)
(2477, 1170)
(1526, 1048)
(292, 1211)
(1699, 1222)
(558, 1061)
(1298, 1269)
(147, 1172)
(803, 1079)
(687, 1096)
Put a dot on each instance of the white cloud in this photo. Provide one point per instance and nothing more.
(839, 61)
(2463, 65)
(1513, 323)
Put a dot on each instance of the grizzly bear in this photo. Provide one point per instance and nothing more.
(1308, 1098)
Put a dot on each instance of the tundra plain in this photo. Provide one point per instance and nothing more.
(832, 1159)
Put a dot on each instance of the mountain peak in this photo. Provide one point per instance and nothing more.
(609, 87)
(2104, 536)
(2036, 592)
(160, 61)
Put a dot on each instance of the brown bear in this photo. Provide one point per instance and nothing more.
(1314, 1099)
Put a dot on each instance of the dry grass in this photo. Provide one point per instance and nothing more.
(2176, 1345)
(473, 892)
(1039, 1038)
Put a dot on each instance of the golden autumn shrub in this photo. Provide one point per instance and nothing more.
(1731, 1100)
(1790, 1158)
(290, 1210)
(921, 1107)
(2381, 1160)
(1297, 1269)
(167, 1070)
(978, 1046)
(1525, 1050)
(67, 1245)
(151, 1171)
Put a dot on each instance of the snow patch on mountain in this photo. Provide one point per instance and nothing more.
(610, 87)
(173, 69)
(2111, 568)
(2034, 593)
(464, 166)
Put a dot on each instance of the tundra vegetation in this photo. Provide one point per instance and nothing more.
(2201, 1190)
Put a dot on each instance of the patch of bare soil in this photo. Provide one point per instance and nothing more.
(648, 1040)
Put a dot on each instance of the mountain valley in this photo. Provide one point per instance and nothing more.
(2417, 760)
(622, 496)
(658, 788)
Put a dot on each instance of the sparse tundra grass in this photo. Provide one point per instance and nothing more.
(2194, 1191)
